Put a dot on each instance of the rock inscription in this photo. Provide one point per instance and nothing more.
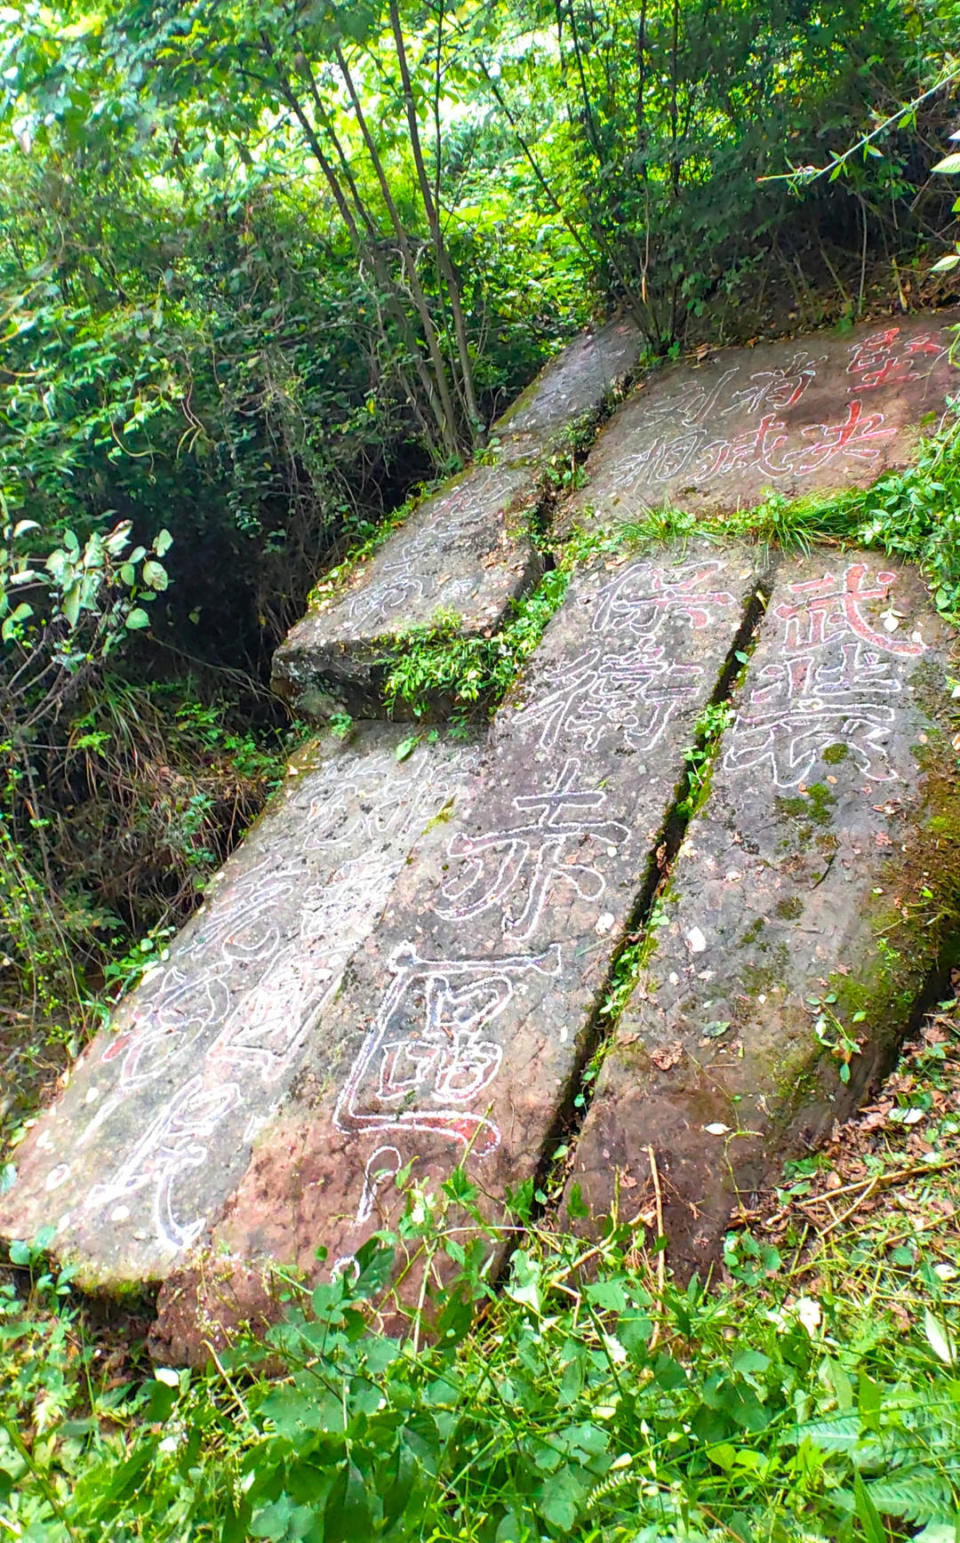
(802, 921)
(777, 418)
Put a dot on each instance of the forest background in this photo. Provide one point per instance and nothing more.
(266, 269)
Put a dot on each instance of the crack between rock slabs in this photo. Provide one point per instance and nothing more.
(627, 962)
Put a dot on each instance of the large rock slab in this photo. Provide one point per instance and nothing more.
(156, 1127)
(815, 414)
(575, 384)
(804, 911)
(465, 552)
(460, 1030)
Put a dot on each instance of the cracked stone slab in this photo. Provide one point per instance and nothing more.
(800, 929)
(814, 414)
(156, 1127)
(458, 1033)
(466, 551)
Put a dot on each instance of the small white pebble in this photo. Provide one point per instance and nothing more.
(696, 942)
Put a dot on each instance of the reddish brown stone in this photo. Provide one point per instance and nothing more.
(806, 891)
(811, 415)
(460, 1029)
(157, 1124)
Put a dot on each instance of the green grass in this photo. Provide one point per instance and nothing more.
(813, 1396)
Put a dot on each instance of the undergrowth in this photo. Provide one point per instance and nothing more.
(815, 1396)
(142, 798)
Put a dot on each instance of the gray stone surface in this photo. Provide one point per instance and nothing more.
(814, 414)
(806, 892)
(575, 383)
(461, 1025)
(156, 1127)
(465, 551)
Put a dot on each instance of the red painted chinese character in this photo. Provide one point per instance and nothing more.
(856, 437)
(823, 608)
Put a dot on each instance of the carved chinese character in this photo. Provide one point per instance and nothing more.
(858, 437)
(432, 1052)
(516, 870)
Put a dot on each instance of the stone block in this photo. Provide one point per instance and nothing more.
(804, 913)
(462, 1023)
(465, 552)
(157, 1124)
(811, 415)
(574, 385)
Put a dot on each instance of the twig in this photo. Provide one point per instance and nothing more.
(838, 1220)
(881, 1180)
(808, 174)
(661, 1257)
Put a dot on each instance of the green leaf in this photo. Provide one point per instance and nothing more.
(950, 164)
(136, 619)
(939, 1338)
(163, 543)
(406, 747)
(873, 1528)
(11, 625)
(347, 1516)
(70, 604)
(946, 264)
(155, 575)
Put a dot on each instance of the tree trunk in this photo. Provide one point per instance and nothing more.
(444, 265)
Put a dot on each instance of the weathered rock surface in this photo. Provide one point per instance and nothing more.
(575, 383)
(156, 1128)
(817, 414)
(466, 551)
(797, 939)
(461, 1025)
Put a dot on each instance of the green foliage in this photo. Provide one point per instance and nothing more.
(666, 135)
(606, 1402)
(470, 674)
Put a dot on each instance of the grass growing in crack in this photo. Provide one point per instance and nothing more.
(812, 1398)
(471, 673)
(913, 514)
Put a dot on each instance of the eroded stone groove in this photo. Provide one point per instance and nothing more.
(462, 1022)
(802, 897)
(162, 1112)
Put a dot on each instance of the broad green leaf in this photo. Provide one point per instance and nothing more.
(946, 264)
(950, 164)
(939, 1338)
(155, 575)
(70, 604)
(136, 619)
